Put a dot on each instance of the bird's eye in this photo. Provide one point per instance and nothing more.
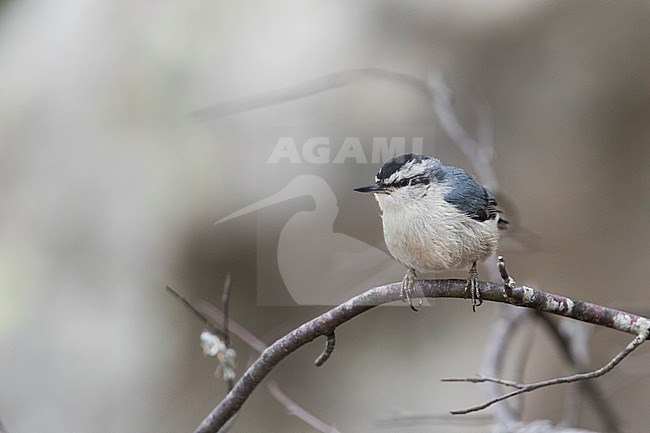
(402, 183)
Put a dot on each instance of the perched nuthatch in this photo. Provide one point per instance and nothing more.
(436, 217)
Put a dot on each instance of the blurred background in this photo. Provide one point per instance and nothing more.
(110, 185)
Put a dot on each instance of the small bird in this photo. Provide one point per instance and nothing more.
(436, 217)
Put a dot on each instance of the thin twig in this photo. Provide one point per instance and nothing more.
(327, 352)
(206, 320)
(225, 301)
(483, 379)
(327, 322)
(636, 371)
(638, 340)
(295, 409)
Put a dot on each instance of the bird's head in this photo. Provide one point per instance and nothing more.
(404, 178)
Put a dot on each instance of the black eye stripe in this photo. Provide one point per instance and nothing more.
(418, 180)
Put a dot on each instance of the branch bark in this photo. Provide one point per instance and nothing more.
(326, 323)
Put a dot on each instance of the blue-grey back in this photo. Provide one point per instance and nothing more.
(466, 194)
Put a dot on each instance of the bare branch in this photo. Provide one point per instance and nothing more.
(295, 409)
(482, 379)
(638, 340)
(308, 88)
(326, 323)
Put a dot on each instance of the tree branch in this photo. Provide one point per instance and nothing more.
(326, 323)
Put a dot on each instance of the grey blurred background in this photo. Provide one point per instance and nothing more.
(110, 188)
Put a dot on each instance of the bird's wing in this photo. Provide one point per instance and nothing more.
(470, 197)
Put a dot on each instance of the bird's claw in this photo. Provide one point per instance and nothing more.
(407, 291)
(472, 288)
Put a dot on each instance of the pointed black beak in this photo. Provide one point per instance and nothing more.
(375, 187)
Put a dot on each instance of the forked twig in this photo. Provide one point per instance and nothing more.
(521, 388)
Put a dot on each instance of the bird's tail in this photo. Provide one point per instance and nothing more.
(502, 223)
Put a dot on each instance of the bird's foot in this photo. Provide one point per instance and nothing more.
(472, 290)
(407, 290)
